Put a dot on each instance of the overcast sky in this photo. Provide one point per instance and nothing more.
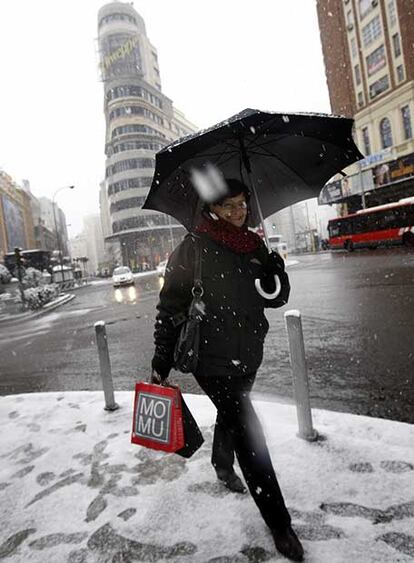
(216, 58)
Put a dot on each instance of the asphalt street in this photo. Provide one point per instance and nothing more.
(358, 322)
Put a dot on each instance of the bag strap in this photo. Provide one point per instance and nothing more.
(197, 289)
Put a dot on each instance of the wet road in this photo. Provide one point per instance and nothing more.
(358, 321)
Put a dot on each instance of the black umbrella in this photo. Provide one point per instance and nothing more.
(284, 158)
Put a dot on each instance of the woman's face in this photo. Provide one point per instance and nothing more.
(232, 209)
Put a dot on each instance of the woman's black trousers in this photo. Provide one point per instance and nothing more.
(239, 428)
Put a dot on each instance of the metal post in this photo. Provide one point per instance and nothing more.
(20, 275)
(171, 233)
(58, 242)
(105, 366)
(300, 375)
(361, 181)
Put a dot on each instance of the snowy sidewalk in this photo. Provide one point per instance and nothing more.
(74, 489)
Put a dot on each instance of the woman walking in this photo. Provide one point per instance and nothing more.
(232, 335)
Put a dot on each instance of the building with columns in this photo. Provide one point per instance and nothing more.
(140, 120)
(368, 49)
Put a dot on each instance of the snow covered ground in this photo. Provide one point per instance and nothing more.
(74, 489)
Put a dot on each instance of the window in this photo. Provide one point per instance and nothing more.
(135, 110)
(360, 99)
(378, 87)
(137, 145)
(129, 203)
(130, 90)
(130, 184)
(371, 31)
(360, 224)
(353, 47)
(136, 128)
(140, 222)
(392, 13)
(400, 73)
(406, 119)
(366, 142)
(396, 44)
(386, 133)
(121, 270)
(365, 6)
(130, 164)
(357, 74)
(114, 17)
(349, 18)
(376, 60)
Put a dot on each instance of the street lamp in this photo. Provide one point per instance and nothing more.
(58, 240)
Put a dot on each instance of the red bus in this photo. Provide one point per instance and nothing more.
(392, 223)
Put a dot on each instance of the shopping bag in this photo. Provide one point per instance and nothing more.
(157, 418)
(163, 421)
(192, 435)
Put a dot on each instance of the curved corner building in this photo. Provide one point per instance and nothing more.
(140, 120)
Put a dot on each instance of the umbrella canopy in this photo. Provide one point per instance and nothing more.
(289, 156)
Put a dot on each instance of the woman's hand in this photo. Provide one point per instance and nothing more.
(274, 264)
(160, 367)
(155, 378)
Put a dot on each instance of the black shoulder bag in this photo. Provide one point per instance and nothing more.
(187, 346)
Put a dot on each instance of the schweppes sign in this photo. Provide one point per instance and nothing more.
(119, 53)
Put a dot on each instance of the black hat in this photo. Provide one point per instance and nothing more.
(234, 188)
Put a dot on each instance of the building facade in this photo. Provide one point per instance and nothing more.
(304, 225)
(49, 212)
(16, 221)
(95, 243)
(79, 249)
(369, 61)
(140, 120)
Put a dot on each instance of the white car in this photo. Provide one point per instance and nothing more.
(161, 268)
(279, 244)
(122, 276)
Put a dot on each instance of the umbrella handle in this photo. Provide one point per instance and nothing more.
(263, 293)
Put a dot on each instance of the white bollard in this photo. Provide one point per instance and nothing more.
(105, 365)
(300, 375)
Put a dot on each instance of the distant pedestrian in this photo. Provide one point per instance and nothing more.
(232, 336)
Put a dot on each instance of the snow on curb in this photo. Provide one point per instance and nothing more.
(15, 319)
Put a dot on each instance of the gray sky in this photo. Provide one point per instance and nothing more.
(216, 58)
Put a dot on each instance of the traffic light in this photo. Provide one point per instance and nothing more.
(17, 253)
(20, 270)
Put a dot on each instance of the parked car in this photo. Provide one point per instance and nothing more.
(161, 268)
(122, 276)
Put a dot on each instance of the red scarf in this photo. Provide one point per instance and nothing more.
(239, 240)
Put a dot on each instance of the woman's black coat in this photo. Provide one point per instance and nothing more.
(234, 327)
